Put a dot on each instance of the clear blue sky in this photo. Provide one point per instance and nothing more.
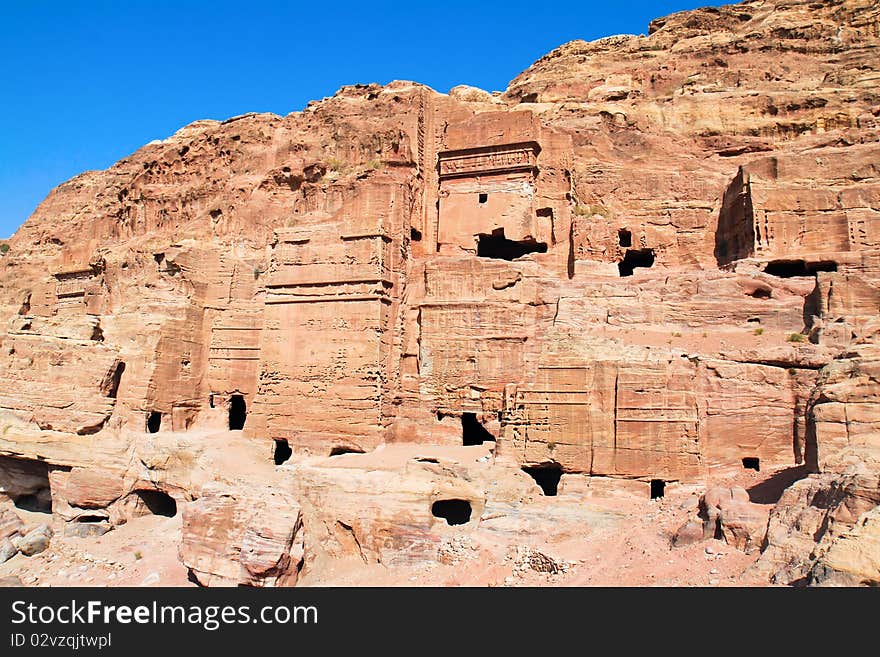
(85, 83)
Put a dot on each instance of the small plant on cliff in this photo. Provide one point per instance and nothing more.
(4, 248)
(796, 337)
(759, 331)
(590, 210)
(335, 164)
(138, 556)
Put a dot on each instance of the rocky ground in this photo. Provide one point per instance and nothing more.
(141, 552)
(624, 541)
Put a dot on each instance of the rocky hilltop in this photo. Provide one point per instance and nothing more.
(618, 324)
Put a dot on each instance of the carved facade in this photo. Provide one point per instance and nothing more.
(590, 286)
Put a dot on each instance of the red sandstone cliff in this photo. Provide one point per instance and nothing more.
(650, 262)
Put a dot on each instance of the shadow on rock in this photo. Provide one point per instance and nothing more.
(770, 490)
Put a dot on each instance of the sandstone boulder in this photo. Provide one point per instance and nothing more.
(727, 514)
(10, 523)
(689, 533)
(248, 538)
(743, 526)
(35, 541)
(7, 550)
(87, 529)
(90, 488)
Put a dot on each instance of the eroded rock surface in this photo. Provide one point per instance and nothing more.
(651, 265)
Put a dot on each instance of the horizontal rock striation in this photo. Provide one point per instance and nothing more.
(651, 260)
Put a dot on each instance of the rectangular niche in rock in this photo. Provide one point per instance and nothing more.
(237, 412)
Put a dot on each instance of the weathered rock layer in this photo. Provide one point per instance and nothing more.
(651, 259)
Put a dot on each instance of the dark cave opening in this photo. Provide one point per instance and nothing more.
(282, 451)
(624, 238)
(339, 450)
(547, 477)
(752, 463)
(483, 198)
(27, 483)
(792, 268)
(157, 502)
(472, 432)
(454, 512)
(39, 502)
(93, 518)
(658, 488)
(237, 412)
(635, 258)
(499, 247)
(154, 421)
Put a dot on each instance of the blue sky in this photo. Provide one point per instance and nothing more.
(85, 83)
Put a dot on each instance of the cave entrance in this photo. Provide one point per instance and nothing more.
(39, 502)
(157, 502)
(26, 483)
(624, 238)
(339, 450)
(154, 421)
(792, 268)
(635, 258)
(282, 451)
(658, 488)
(495, 245)
(752, 463)
(472, 432)
(547, 477)
(454, 512)
(237, 412)
(90, 519)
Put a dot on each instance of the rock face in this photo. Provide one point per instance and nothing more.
(852, 560)
(651, 259)
(234, 540)
(830, 513)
